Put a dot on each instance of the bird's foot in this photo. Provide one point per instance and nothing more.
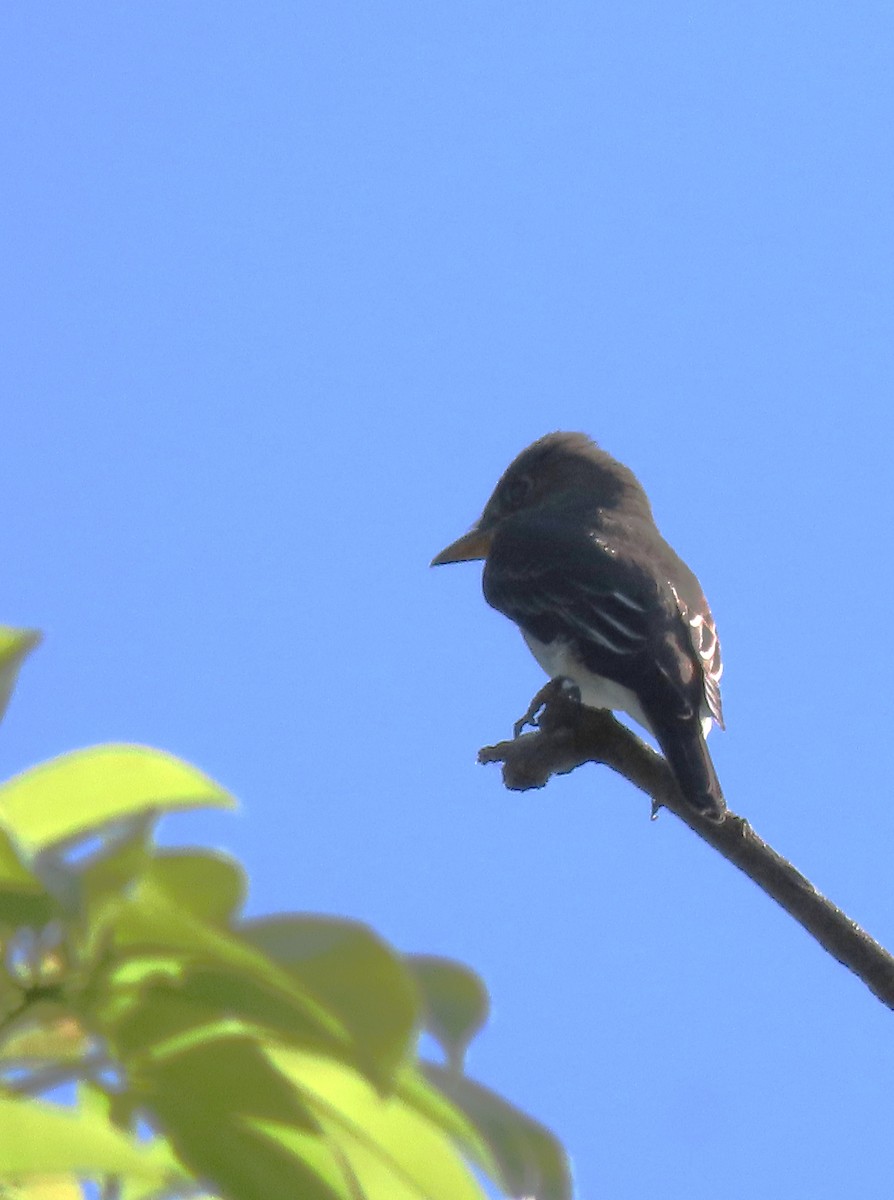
(562, 687)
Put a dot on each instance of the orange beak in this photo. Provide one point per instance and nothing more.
(471, 546)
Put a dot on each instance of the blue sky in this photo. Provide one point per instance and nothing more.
(286, 286)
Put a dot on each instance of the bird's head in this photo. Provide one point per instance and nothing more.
(560, 470)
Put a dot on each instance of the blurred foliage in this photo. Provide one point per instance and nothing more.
(199, 1054)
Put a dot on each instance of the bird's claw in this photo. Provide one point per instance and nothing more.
(560, 686)
(530, 718)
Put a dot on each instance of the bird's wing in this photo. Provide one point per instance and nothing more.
(625, 619)
(706, 644)
(691, 621)
(575, 592)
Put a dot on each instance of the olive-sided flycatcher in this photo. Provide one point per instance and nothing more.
(572, 554)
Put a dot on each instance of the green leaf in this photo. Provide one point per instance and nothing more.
(42, 1139)
(205, 1005)
(97, 887)
(530, 1158)
(51, 1187)
(14, 875)
(356, 975)
(119, 1109)
(394, 1152)
(122, 859)
(221, 976)
(416, 1091)
(70, 796)
(218, 1104)
(210, 885)
(23, 898)
(312, 1150)
(455, 1003)
(15, 646)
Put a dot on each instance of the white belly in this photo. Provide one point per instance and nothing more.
(595, 690)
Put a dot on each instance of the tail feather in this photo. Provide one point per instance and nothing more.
(687, 753)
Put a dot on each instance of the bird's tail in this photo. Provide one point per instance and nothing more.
(690, 760)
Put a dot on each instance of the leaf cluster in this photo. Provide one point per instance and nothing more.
(199, 1053)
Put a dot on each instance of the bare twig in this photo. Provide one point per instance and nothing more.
(569, 735)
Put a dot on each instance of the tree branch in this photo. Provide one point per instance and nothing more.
(569, 735)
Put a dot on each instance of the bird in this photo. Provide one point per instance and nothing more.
(573, 556)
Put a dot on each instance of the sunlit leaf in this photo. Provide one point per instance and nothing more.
(455, 1003)
(394, 1151)
(530, 1158)
(415, 1090)
(14, 875)
(218, 1103)
(119, 1108)
(140, 970)
(204, 1005)
(23, 898)
(212, 886)
(51, 1187)
(69, 796)
(355, 974)
(312, 1149)
(42, 1139)
(150, 919)
(15, 646)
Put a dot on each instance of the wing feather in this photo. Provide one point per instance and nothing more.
(629, 624)
(706, 644)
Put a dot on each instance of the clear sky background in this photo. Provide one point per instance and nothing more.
(285, 287)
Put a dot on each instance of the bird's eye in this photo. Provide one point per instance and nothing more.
(517, 491)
